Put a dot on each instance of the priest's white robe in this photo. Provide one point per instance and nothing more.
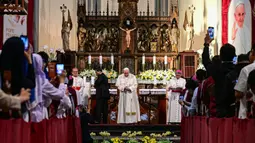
(174, 109)
(78, 82)
(128, 107)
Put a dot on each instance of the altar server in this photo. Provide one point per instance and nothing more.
(78, 86)
(128, 107)
(175, 87)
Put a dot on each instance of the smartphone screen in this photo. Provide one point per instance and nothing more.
(235, 60)
(181, 97)
(25, 41)
(60, 68)
(211, 32)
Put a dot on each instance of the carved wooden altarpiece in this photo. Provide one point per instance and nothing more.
(105, 33)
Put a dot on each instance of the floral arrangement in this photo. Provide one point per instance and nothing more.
(111, 74)
(130, 137)
(88, 73)
(158, 74)
(51, 52)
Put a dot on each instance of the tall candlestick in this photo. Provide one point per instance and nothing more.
(143, 59)
(89, 60)
(84, 80)
(112, 59)
(92, 80)
(166, 62)
(154, 60)
(100, 60)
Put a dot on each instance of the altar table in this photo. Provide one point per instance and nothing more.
(152, 104)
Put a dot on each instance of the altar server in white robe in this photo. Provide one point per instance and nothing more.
(128, 107)
(175, 87)
(78, 86)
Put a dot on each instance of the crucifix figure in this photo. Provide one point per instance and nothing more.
(128, 37)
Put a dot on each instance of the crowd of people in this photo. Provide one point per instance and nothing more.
(28, 92)
(34, 96)
(225, 89)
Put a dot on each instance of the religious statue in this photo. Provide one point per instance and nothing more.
(143, 40)
(66, 28)
(128, 37)
(189, 28)
(174, 36)
(81, 37)
(190, 37)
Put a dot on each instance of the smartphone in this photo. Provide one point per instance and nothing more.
(181, 97)
(25, 41)
(211, 32)
(235, 60)
(60, 68)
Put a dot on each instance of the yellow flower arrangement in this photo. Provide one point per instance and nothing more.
(130, 137)
(116, 140)
(147, 139)
(111, 74)
(166, 134)
(92, 134)
(104, 134)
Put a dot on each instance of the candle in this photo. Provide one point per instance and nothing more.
(100, 60)
(92, 80)
(112, 59)
(143, 60)
(154, 60)
(155, 80)
(89, 60)
(166, 60)
(84, 80)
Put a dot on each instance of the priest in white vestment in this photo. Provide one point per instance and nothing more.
(241, 35)
(78, 86)
(128, 107)
(174, 88)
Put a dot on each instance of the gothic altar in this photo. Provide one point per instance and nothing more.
(145, 42)
(127, 35)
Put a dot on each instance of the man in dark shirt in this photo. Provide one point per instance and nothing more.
(230, 82)
(218, 73)
(102, 96)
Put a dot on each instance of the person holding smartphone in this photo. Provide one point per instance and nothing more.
(13, 59)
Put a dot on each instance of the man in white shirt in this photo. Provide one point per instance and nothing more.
(78, 86)
(241, 35)
(241, 85)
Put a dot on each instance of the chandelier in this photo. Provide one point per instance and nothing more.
(13, 7)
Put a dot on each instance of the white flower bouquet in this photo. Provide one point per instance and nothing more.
(88, 73)
(158, 74)
(51, 52)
